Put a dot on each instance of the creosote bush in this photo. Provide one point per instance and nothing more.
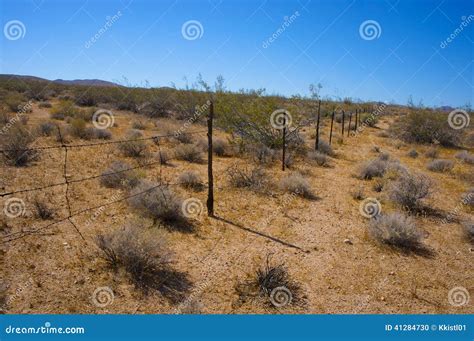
(117, 176)
(189, 152)
(409, 191)
(191, 180)
(160, 204)
(133, 148)
(146, 259)
(255, 178)
(396, 230)
(440, 165)
(296, 184)
(15, 143)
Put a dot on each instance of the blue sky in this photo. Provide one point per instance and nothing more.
(321, 43)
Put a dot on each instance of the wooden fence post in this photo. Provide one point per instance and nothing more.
(342, 135)
(316, 146)
(210, 178)
(284, 144)
(350, 121)
(356, 119)
(332, 123)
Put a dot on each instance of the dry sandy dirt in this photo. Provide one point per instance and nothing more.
(324, 243)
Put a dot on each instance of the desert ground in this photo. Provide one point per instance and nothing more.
(323, 242)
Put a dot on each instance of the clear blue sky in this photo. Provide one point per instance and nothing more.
(322, 44)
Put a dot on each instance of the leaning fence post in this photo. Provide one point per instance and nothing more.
(356, 119)
(350, 121)
(317, 127)
(284, 144)
(332, 123)
(210, 179)
(342, 135)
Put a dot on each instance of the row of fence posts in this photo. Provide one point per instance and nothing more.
(210, 178)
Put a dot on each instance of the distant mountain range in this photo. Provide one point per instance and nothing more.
(87, 82)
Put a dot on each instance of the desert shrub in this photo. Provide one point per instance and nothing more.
(432, 153)
(465, 156)
(289, 160)
(397, 230)
(426, 127)
(272, 285)
(413, 154)
(146, 259)
(409, 190)
(440, 165)
(78, 128)
(384, 156)
(319, 158)
(15, 144)
(202, 144)
(325, 148)
(117, 176)
(15, 101)
(372, 169)
(220, 147)
(138, 125)
(369, 120)
(191, 180)
(188, 152)
(160, 204)
(383, 134)
(240, 177)
(44, 105)
(133, 148)
(63, 109)
(469, 229)
(468, 197)
(42, 209)
(263, 155)
(296, 184)
(102, 134)
(184, 138)
(47, 128)
(378, 185)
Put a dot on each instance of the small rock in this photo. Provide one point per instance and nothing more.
(471, 249)
(391, 273)
(382, 298)
(348, 241)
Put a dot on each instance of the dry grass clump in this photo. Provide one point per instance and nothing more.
(78, 128)
(15, 143)
(272, 286)
(358, 193)
(465, 157)
(139, 125)
(319, 158)
(42, 209)
(160, 204)
(469, 230)
(184, 138)
(296, 184)
(189, 152)
(118, 176)
(325, 148)
(263, 155)
(47, 128)
(191, 180)
(146, 259)
(64, 109)
(164, 157)
(384, 156)
(44, 105)
(133, 148)
(396, 230)
(440, 165)
(102, 134)
(221, 147)
(432, 153)
(409, 191)
(413, 154)
(254, 178)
